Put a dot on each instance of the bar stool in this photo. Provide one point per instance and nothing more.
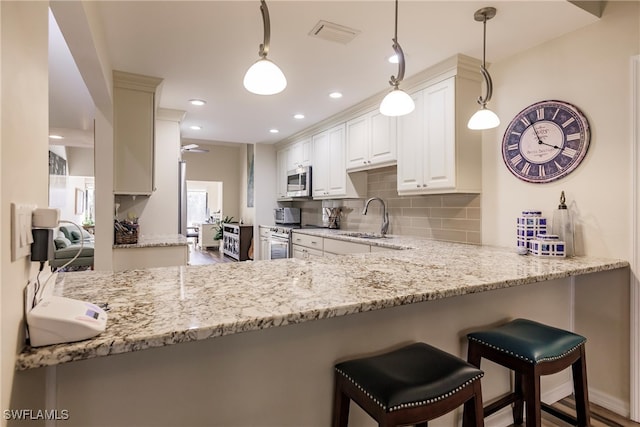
(532, 349)
(411, 385)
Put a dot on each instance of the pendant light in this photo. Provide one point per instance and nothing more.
(397, 102)
(484, 118)
(264, 77)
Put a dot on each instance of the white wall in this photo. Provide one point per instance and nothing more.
(221, 163)
(264, 190)
(589, 68)
(24, 129)
(80, 161)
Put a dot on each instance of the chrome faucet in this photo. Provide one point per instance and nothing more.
(385, 214)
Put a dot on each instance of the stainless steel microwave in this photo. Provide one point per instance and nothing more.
(299, 182)
(286, 215)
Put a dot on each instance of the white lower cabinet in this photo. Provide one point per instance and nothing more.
(436, 152)
(302, 252)
(341, 247)
(306, 246)
(265, 249)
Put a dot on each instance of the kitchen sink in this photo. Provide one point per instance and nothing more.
(363, 235)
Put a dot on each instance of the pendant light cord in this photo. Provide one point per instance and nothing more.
(395, 81)
(483, 69)
(264, 47)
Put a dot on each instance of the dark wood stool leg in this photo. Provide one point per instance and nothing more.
(579, 370)
(340, 404)
(531, 383)
(473, 354)
(518, 406)
(473, 415)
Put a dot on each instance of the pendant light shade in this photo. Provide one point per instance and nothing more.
(264, 77)
(484, 118)
(397, 102)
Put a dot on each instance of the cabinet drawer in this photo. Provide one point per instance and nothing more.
(341, 247)
(308, 241)
(302, 252)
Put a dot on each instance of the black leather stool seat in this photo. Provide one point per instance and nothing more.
(531, 350)
(406, 379)
(529, 340)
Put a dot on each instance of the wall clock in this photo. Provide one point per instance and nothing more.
(545, 141)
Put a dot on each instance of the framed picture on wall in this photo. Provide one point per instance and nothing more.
(79, 201)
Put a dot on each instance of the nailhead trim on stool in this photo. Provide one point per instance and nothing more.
(413, 384)
(409, 404)
(532, 350)
(511, 353)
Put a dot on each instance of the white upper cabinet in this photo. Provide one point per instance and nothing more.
(330, 178)
(300, 154)
(436, 151)
(133, 133)
(371, 141)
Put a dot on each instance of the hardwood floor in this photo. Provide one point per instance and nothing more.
(199, 256)
(600, 417)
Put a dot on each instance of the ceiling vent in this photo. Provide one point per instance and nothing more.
(333, 32)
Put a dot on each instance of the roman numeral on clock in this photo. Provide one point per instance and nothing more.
(525, 121)
(515, 160)
(512, 147)
(541, 170)
(526, 168)
(540, 114)
(568, 122)
(569, 152)
(573, 136)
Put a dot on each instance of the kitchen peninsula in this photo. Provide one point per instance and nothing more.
(151, 251)
(258, 372)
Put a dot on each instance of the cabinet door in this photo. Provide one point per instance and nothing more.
(281, 173)
(383, 138)
(264, 248)
(307, 152)
(133, 141)
(321, 164)
(410, 147)
(439, 137)
(337, 163)
(358, 142)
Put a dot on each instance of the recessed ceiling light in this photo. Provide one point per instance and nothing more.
(274, 130)
(196, 127)
(198, 102)
(298, 116)
(335, 95)
(56, 136)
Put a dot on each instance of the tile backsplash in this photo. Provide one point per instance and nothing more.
(447, 217)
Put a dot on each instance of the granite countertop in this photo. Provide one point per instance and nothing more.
(156, 241)
(165, 306)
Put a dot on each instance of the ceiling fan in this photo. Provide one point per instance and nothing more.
(193, 148)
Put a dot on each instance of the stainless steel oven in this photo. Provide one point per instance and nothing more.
(280, 243)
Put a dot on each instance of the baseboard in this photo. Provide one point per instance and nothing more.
(609, 402)
(504, 417)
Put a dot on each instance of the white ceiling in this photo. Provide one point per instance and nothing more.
(202, 49)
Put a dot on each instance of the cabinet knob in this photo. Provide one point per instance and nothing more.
(424, 185)
(418, 185)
